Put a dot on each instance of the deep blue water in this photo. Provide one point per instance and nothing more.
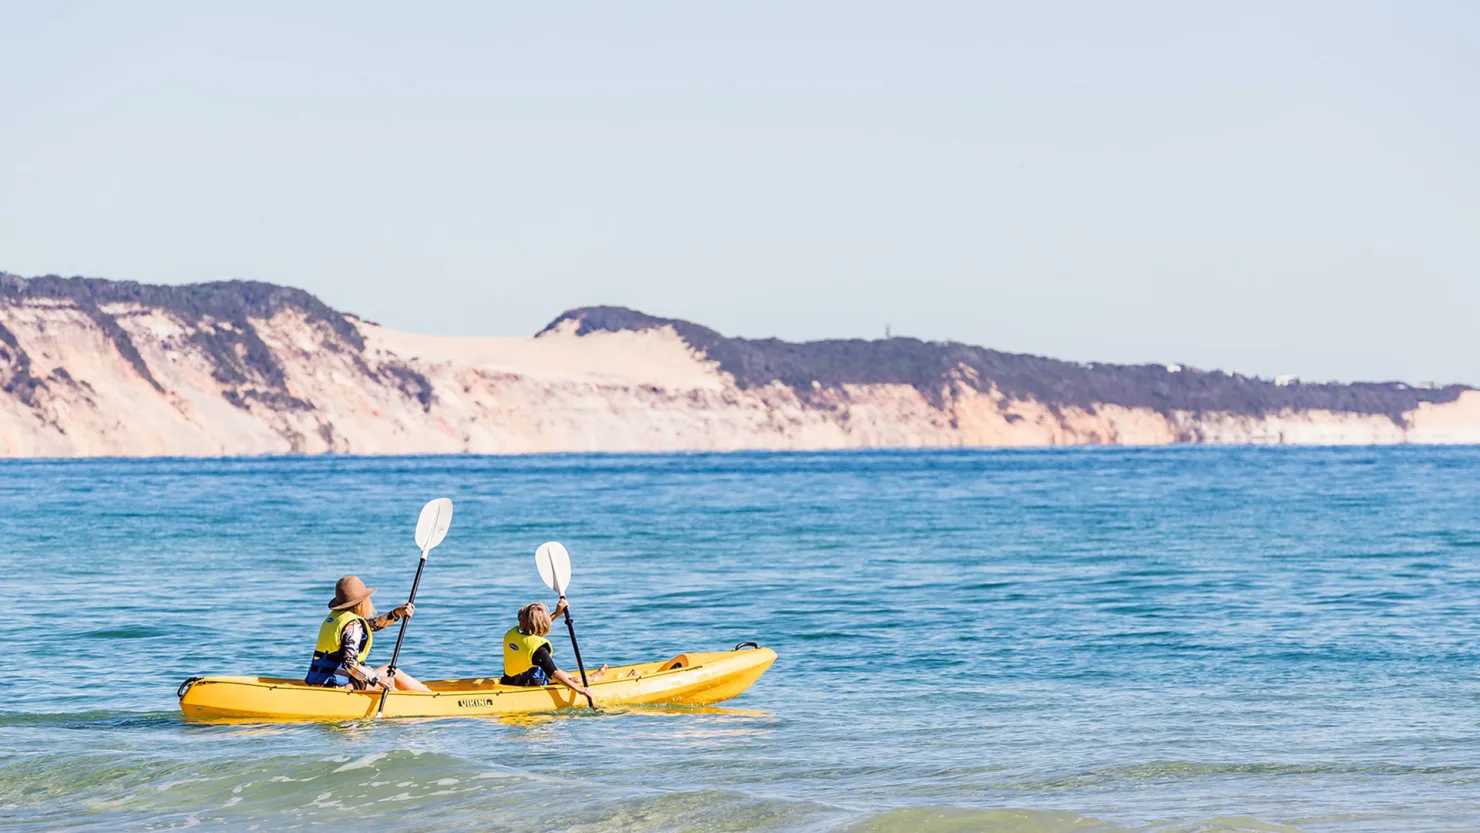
(1176, 639)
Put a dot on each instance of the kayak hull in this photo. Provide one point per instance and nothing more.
(691, 678)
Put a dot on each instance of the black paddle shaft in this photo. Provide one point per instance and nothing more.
(570, 625)
(390, 670)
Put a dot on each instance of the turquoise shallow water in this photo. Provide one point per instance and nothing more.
(1176, 640)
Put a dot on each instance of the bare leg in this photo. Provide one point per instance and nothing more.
(402, 681)
(406, 682)
(597, 674)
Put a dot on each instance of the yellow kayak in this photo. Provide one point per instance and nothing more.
(692, 678)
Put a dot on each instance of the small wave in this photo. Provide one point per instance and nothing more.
(1175, 770)
(96, 719)
(964, 820)
(137, 632)
(362, 762)
(440, 791)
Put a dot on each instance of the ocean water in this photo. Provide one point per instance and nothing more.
(1183, 639)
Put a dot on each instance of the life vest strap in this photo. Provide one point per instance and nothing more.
(324, 670)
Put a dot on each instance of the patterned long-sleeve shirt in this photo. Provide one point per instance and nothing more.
(352, 638)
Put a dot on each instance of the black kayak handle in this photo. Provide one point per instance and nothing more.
(745, 645)
(185, 687)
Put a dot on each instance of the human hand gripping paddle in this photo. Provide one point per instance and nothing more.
(431, 528)
(554, 563)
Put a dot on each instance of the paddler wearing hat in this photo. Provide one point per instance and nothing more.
(344, 642)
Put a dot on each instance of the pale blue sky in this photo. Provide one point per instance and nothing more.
(1266, 187)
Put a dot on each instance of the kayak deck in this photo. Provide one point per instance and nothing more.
(688, 678)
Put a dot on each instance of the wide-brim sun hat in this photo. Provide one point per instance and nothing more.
(348, 592)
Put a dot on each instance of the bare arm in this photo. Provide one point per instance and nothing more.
(566, 680)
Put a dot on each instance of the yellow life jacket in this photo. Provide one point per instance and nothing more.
(519, 651)
(331, 633)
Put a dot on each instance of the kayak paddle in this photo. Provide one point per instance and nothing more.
(431, 528)
(554, 563)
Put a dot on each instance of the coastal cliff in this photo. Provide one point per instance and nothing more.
(112, 368)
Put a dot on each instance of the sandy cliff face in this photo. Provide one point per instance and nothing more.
(128, 370)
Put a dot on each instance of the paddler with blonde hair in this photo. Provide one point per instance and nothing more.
(527, 658)
(345, 639)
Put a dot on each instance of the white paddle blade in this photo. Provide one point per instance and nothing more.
(432, 526)
(554, 563)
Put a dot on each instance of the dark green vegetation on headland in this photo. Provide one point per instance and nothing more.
(932, 367)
